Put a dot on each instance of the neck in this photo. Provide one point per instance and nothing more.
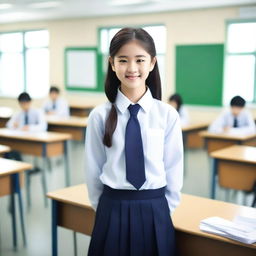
(135, 94)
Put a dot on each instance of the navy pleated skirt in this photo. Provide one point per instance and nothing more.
(132, 223)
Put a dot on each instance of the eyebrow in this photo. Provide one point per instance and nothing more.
(137, 56)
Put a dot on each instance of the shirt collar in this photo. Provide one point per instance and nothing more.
(122, 102)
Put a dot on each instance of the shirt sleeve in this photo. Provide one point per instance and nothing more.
(63, 108)
(173, 161)
(14, 119)
(95, 157)
(218, 125)
(41, 123)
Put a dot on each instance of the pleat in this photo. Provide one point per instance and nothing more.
(136, 230)
(148, 229)
(112, 242)
(100, 229)
(164, 231)
(125, 228)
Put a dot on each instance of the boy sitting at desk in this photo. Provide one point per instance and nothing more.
(236, 120)
(28, 119)
(55, 105)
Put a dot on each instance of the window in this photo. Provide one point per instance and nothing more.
(24, 63)
(158, 33)
(240, 64)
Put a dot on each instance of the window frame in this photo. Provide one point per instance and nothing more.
(227, 54)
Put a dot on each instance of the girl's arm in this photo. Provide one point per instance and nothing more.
(173, 161)
(95, 157)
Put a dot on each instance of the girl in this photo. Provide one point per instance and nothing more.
(134, 155)
(176, 101)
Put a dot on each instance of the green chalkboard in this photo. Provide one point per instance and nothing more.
(199, 73)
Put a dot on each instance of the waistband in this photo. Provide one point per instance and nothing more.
(123, 194)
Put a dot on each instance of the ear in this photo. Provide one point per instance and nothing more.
(152, 64)
(111, 61)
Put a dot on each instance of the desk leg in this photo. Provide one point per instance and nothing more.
(43, 177)
(75, 243)
(67, 173)
(18, 191)
(13, 210)
(214, 176)
(54, 228)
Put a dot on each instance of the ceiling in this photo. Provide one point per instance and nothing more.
(28, 10)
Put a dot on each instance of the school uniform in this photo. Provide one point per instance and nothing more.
(242, 124)
(132, 221)
(60, 107)
(34, 118)
(184, 117)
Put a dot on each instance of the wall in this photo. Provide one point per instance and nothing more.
(183, 27)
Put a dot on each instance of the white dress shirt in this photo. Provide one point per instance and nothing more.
(184, 118)
(61, 107)
(245, 123)
(36, 120)
(162, 145)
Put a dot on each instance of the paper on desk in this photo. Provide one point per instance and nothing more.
(241, 229)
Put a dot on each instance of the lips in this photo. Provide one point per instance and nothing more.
(132, 77)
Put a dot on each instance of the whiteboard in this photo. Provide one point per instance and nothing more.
(81, 68)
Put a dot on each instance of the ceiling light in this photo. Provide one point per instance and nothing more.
(5, 6)
(130, 2)
(42, 5)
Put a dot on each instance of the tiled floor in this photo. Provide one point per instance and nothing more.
(38, 218)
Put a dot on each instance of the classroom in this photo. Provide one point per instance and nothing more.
(58, 116)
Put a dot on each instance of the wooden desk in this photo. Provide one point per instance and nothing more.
(191, 136)
(235, 167)
(4, 149)
(5, 115)
(10, 185)
(75, 126)
(45, 144)
(215, 141)
(80, 109)
(71, 209)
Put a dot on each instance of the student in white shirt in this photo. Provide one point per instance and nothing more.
(28, 119)
(176, 101)
(236, 120)
(134, 155)
(56, 105)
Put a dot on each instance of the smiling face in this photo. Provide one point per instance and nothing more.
(132, 65)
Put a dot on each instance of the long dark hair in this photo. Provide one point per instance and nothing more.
(177, 98)
(112, 83)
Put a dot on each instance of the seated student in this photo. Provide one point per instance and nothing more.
(28, 119)
(176, 101)
(55, 105)
(236, 120)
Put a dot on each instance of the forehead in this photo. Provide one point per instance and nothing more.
(132, 49)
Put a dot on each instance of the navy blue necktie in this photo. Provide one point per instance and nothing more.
(54, 105)
(134, 156)
(26, 118)
(235, 125)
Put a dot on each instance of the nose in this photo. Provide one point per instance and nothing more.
(132, 67)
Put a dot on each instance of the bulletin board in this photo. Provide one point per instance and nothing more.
(81, 69)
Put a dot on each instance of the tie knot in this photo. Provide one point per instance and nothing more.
(134, 109)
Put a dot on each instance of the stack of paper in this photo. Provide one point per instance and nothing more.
(241, 229)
